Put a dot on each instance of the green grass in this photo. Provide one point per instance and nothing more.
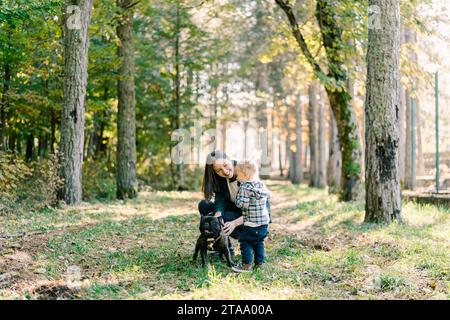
(318, 248)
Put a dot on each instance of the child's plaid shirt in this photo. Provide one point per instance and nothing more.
(252, 198)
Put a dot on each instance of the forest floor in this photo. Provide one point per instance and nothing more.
(318, 248)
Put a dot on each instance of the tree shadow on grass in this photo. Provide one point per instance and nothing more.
(163, 258)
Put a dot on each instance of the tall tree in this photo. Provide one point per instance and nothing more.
(289, 153)
(77, 15)
(334, 158)
(126, 118)
(4, 104)
(313, 135)
(401, 126)
(321, 157)
(403, 106)
(297, 165)
(179, 180)
(334, 81)
(410, 179)
(420, 160)
(381, 109)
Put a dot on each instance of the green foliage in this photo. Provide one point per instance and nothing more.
(31, 52)
(12, 172)
(156, 59)
(27, 186)
(157, 174)
(224, 50)
(390, 283)
(352, 168)
(99, 181)
(42, 188)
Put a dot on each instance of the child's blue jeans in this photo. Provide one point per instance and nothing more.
(252, 243)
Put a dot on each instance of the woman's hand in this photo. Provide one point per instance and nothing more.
(231, 225)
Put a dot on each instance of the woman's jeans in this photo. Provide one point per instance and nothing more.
(206, 207)
(252, 241)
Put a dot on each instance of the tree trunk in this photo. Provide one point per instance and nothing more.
(334, 159)
(289, 157)
(313, 138)
(326, 14)
(101, 146)
(29, 151)
(245, 138)
(321, 161)
(402, 122)
(382, 114)
(223, 112)
(297, 172)
(4, 105)
(408, 150)
(262, 89)
(180, 183)
(19, 146)
(12, 140)
(402, 141)
(410, 175)
(101, 140)
(349, 138)
(76, 45)
(126, 120)
(42, 145)
(420, 163)
(269, 142)
(53, 131)
(349, 142)
(280, 159)
(93, 136)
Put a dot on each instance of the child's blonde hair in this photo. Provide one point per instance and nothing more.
(248, 167)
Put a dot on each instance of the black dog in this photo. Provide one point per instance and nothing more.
(212, 238)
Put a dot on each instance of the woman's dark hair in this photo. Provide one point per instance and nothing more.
(211, 178)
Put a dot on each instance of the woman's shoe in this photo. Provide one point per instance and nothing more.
(241, 268)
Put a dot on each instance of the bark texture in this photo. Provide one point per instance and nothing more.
(420, 160)
(126, 119)
(321, 162)
(334, 159)
(297, 168)
(401, 126)
(410, 37)
(76, 45)
(408, 142)
(289, 155)
(313, 135)
(4, 105)
(382, 116)
(262, 110)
